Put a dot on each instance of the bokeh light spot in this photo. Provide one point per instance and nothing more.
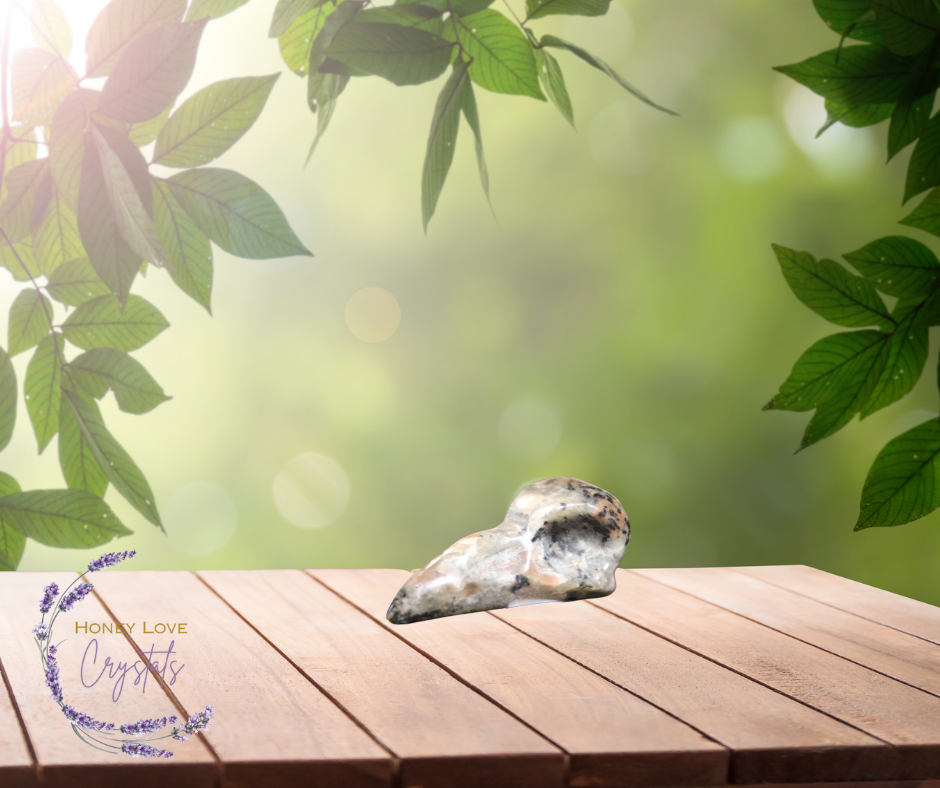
(373, 314)
(841, 153)
(200, 518)
(311, 490)
(750, 149)
(529, 428)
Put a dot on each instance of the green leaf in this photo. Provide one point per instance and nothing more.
(75, 282)
(330, 87)
(102, 235)
(236, 213)
(12, 542)
(856, 117)
(18, 152)
(15, 257)
(152, 72)
(908, 26)
(903, 483)
(187, 246)
(442, 139)
(116, 463)
(853, 387)
(42, 389)
(8, 484)
(929, 313)
(29, 320)
(101, 323)
(897, 266)
(535, 9)
(469, 107)
(502, 59)
(56, 239)
(926, 216)
(345, 11)
(39, 82)
(131, 198)
(80, 469)
(96, 371)
(413, 15)
(854, 14)
(923, 171)
(297, 41)
(908, 122)
(857, 75)
(7, 399)
(61, 518)
(211, 121)
(553, 83)
(287, 12)
(146, 131)
(831, 291)
(212, 9)
(587, 57)
(906, 354)
(820, 372)
(22, 186)
(67, 144)
(51, 29)
(402, 55)
(120, 23)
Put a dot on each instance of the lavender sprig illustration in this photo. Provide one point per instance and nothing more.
(98, 734)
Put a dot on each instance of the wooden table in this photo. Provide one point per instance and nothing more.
(683, 677)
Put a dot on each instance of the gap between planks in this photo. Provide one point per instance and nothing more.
(497, 703)
(704, 597)
(454, 674)
(395, 760)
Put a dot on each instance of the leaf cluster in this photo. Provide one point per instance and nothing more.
(894, 75)
(329, 42)
(79, 224)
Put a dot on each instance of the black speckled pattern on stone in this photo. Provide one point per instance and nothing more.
(561, 541)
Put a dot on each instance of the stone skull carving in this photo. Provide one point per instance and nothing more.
(561, 541)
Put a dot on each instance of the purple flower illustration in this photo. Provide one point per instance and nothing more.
(49, 594)
(82, 720)
(198, 722)
(109, 559)
(144, 751)
(98, 734)
(144, 727)
(77, 594)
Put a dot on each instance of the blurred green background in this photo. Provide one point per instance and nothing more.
(624, 322)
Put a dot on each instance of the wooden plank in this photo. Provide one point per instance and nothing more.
(65, 760)
(445, 734)
(271, 725)
(772, 738)
(17, 769)
(904, 657)
(893, 610)
(891, 711)
(613, 738)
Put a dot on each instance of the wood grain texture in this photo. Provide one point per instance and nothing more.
(17, 769)
(907, 658)
(445, 734)
(65, 760)
(771, 737)
(893, 610)
(891, 711)
(271, 726)
(613, 737)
